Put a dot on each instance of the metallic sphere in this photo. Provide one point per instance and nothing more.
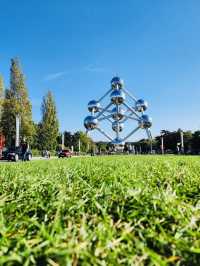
(90, 122)
(93, 106)
(141, 105)
(117, 126)
(118, 115)
(116, 82)
(145, 121)
(117, 97)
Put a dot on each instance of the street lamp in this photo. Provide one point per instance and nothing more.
(162, 141)
(182, 140)
(79, 145)
(63, 141)
(17, 130)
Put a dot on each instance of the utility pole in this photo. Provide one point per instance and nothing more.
(140, 149)
(63, 141)
(79, 145)
(162, 142)
(133, 149)
(182, 141)
(17, 130)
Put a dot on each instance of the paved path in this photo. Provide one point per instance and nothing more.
(40, 158)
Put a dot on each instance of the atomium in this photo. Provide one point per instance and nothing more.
(116, 83)
(145, 121)
(90, 122)
(117, 126)
(122, 106)
(93, 106)
(141, 105)
(117, 97)
(118, 113)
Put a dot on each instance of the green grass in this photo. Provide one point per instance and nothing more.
(121, 210)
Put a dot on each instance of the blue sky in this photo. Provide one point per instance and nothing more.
(75, 47)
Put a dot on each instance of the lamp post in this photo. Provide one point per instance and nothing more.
(63, 141)
(17, 130)
(162, 141)
(79, 146)
(140, 149)
(182, 140)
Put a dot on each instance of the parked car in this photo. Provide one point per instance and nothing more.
(65, 154)
(4, 154)
(17, 154)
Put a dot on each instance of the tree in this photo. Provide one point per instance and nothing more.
(170, 140)
(1, 96)
(86, 143)
(102, 146)
(17, 103)
(36, 141)
(187, 137)
(49, 127)
(196, 142)
(68, 139)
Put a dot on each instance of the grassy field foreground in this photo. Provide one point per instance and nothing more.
(127, 210)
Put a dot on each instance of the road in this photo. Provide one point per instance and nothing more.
(38, 158)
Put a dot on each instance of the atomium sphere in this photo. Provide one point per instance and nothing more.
(90, 122)
(118, 142)
(117, 126)
(141, 105)
(117, 82)
(145, 121)
(117, 97)
(93, 106)
(118, 115)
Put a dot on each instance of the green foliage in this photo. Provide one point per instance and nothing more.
(70, 140)
(121, 210)
(1, 97)
(1, 87)
(85, 141)
(36, 152)
(48, 129)
(8, 119)
(196, 142)
(171, 139)
(17, 102)
(102, 146)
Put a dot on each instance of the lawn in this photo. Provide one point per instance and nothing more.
(117, 210)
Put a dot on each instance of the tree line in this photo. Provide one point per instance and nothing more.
(15, 101)
(171, 143)
(172, 139)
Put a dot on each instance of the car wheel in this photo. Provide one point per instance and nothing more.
(16, 158)
(29, 157)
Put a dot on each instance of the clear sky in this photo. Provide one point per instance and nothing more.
(75, 47)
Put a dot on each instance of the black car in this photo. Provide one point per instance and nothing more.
(17, 154)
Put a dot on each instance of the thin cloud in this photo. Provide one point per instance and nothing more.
(56, 75)
(89, 68)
